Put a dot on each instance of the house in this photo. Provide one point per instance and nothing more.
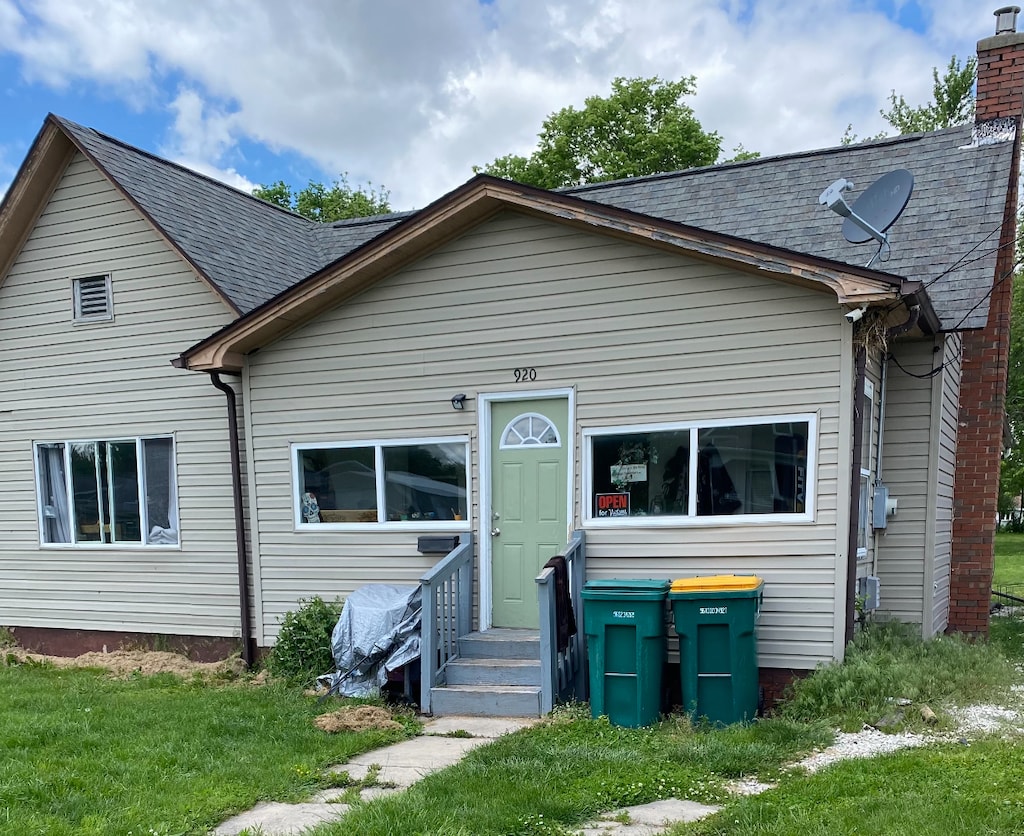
(689, 373)
(117, 505)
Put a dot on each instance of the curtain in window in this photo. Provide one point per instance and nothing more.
(161, 491)
(56, 514)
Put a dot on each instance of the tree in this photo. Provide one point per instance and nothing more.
(327, 203)
(952, 104)
(952, 101)
(641, 127)
(1011, 468)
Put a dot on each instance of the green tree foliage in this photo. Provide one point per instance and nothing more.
(641, 127)
(952, 101)
(952, 104)
(323, 203)
(1011, 469)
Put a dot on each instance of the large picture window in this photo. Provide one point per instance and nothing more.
(414, 482)
(677, 473)
(118, 492)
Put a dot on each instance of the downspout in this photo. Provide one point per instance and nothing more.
(860, 370)
(236, 487)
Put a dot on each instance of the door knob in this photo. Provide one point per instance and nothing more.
(495, 532)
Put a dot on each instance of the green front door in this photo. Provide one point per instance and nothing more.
(530, 443)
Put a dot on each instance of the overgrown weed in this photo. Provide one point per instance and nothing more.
(889, 662)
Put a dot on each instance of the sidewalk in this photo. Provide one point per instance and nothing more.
(403, 764)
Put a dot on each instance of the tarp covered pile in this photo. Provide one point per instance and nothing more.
(378, 632)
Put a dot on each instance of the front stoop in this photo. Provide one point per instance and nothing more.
(497, 674)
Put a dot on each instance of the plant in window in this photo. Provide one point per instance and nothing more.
(632, 452)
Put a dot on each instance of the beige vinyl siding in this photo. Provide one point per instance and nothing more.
(61, 381)
(913, 465)
(642, 335)
(947, 408)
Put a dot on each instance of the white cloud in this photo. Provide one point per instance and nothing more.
(411, 95)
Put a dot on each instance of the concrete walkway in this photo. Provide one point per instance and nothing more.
(403, 764)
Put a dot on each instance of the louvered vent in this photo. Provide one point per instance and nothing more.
(92, 299)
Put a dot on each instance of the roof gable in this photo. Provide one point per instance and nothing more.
(246, 248)
(481, 198)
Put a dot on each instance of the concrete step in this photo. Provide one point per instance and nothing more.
(486, 700)
(501, 643)
(473, 671)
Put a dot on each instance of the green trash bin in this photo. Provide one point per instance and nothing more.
(625, 625)
(716, 621)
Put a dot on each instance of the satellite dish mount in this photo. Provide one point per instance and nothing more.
(874, 211)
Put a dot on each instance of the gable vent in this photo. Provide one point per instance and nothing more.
(92, 299)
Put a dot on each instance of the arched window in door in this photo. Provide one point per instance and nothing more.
(530, 429)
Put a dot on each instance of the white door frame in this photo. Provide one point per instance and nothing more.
(484, 402)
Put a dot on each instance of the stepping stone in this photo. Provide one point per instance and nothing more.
(649, 819)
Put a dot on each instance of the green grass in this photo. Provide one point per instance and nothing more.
(81, 753)
(944, 790)
(887, 662)
(550, 779)
(547, 778)
(1009, 567)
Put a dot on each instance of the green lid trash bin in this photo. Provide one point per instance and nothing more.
(716, 621)
(625, 625)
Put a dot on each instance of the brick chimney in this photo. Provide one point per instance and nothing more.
(999, 108)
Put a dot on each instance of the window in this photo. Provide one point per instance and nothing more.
(93, 300)
(119, 492)
(530, 429)
(421, 482)
(685, 473)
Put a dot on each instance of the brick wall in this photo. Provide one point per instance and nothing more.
(983, 386)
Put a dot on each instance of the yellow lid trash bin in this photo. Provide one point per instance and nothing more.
(716, 621)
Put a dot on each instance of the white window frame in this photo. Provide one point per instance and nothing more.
(380, 524)
(141, 473)
(76, 297)
(691, 519)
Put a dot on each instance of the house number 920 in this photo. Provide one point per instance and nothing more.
(525, 375)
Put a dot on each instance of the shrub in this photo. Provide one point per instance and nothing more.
(303, 648)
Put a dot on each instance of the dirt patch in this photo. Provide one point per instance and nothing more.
(125, 663)
(356, 718)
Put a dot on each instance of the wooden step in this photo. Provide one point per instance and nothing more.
(477, 671)
(501, 643)
(486, 700)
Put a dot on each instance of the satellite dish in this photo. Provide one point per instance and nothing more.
(880, 205)
(874, 211)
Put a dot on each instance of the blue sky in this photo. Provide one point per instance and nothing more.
(410, 94)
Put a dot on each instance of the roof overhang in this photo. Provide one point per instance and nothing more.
(31, 188)
(482, 198)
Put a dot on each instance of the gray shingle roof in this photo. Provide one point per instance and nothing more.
(250, 249)
(947, 237)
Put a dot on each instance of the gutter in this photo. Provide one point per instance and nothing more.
(244, 604)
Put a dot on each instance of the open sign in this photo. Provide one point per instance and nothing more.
(613, 504)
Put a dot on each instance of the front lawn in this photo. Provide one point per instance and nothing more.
(81, 753)
(1009, 567)
(549, 779)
